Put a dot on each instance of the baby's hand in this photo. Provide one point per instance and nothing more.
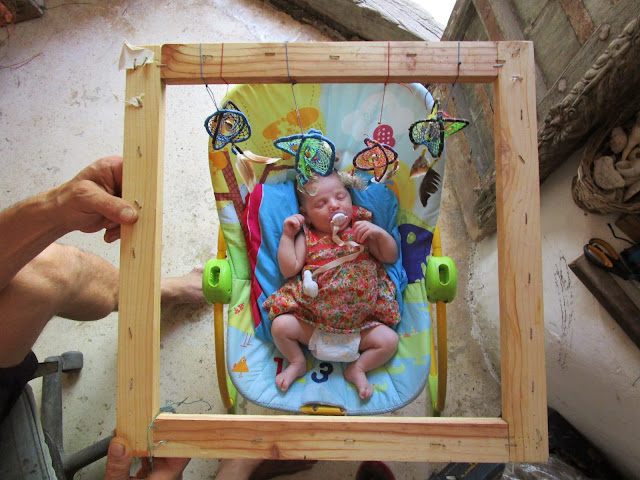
(292, 225)
(364, 230)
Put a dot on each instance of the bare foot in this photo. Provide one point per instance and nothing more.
(289, 374)
(356, 375)
(184, 289)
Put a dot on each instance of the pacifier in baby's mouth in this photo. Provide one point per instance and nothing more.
(338, 220)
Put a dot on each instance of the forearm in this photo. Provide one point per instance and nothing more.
(384, 248)
(26, 229)
(288, 260)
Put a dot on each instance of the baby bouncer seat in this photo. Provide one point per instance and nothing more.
(253, 199)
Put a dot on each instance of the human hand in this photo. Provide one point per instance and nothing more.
(119, 460)
(91, 201)
(364, 231)
(292, 225)
(381, 244)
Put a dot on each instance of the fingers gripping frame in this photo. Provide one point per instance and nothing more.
(521, 433)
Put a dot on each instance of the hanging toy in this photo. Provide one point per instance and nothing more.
(377, 157)
(227, 125)
(312, 151)
(432, 131)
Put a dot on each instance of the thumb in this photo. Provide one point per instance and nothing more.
(119, 460)
(114, 208)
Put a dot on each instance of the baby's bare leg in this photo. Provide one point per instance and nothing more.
(287, 332)
(378, 345)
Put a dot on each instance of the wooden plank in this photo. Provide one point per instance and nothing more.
(529, 12)
(611, 296)
(331, 438)
(138, 335)
(468, 160)
(579, 18)
(140, 255)
(630, 225)
(464, 154)
(605, 95)
(475, 31)
(564, 120)
(471, 153)
(555, 40)
(599, 10)
(462, 13)
(363, 19)
(613, 24)
(318, 62)
(512, 28)
(481, 117)
(490, 22)
(524, 390)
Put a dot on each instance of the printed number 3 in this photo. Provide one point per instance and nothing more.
(325, 369)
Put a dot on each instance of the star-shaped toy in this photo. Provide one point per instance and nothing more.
(228, 125)
(432, 131)
(312, 151)
(377, 157)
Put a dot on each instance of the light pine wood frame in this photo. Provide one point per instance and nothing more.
(520, 435)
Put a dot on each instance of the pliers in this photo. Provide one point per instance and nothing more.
(604, 256)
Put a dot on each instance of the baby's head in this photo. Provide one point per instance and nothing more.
(331, 197)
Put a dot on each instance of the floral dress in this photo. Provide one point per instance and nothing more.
(353, 296)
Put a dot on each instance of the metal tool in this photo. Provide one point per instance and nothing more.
(604, 256)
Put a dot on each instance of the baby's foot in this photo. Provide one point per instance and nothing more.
(289, 374)
(356, 375)
(184, 289)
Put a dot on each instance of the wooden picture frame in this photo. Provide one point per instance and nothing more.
(519, 435)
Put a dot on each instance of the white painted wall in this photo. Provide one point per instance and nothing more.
(593, 368)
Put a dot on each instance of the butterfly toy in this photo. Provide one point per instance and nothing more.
(432, 131)
(377, 157)
(312, 151)
(227, 125)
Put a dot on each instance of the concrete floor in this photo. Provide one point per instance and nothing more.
(59, 112)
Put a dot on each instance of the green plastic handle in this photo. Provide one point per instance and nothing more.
(441, 279)
(216, 281)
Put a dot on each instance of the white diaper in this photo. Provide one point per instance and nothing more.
(334, 347)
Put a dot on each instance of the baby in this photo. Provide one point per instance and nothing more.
(343, 312)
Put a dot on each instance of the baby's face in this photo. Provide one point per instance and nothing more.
(331, 198)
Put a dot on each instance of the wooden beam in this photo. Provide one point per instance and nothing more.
(363, 20)
(579, 18)
(524, 388)
(630, 225)
(140, 255)
(331, 438)
(621, 304)
(335, 62)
